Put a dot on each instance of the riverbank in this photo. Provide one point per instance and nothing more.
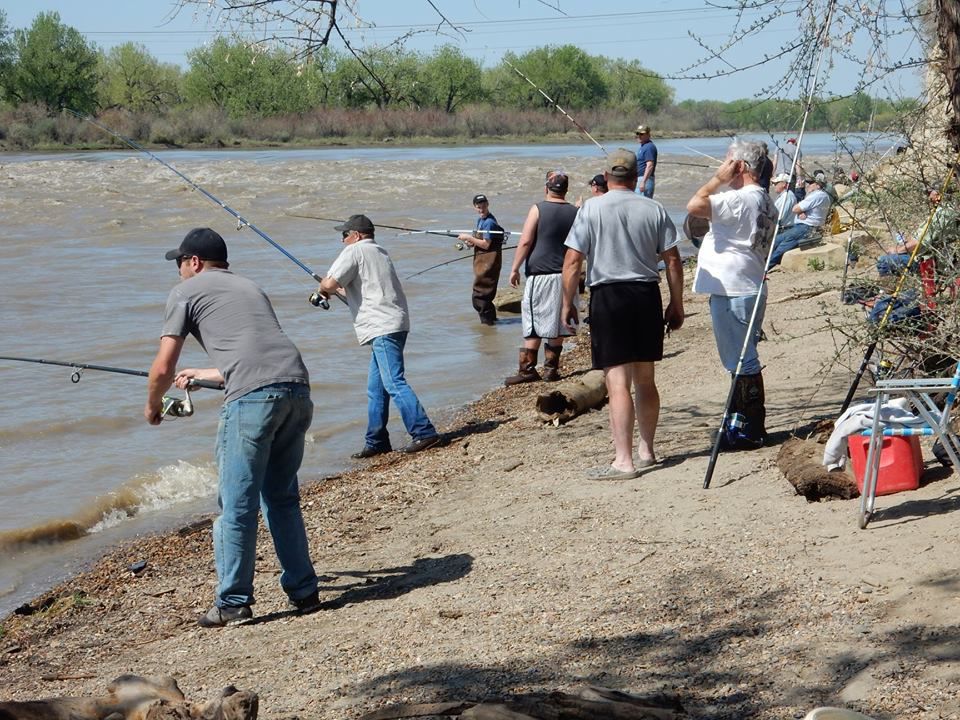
(491, 566)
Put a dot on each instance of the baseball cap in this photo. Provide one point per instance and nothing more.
(205, 243)
(599, 180)
(477, 199)
(642, 129)
(360, 223)
(782, 177)
(816, 180)
(621, 163)
(558, 181)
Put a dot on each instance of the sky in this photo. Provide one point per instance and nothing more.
(657, 35)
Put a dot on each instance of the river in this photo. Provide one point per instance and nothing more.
(84, 280)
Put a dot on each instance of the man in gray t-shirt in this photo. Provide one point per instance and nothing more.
(623, 236)
(263, 423)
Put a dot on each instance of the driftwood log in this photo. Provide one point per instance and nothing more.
(801, 462)
(591, 703)
(131, 697)
(572, 397)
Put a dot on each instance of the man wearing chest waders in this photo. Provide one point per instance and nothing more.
(265, 416)
(486, 241)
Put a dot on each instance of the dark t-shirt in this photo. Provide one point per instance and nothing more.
(546, 257)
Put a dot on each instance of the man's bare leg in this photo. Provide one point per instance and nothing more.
(646, 407)
(618, 380)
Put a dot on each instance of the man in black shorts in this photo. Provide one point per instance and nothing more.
(626, 315)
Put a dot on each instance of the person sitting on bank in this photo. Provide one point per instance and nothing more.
(896, 259)
(785, 201)
(487, 242)
(811, 214)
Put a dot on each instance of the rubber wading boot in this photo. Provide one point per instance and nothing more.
(528, 368)
(551, 363)
(746, 424)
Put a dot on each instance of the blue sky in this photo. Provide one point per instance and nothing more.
(652, 31)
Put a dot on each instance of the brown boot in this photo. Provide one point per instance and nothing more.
(528, 368)
(551, 363)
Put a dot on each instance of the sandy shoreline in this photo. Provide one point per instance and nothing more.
(491, 566)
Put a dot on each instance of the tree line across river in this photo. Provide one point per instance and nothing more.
(233, 93)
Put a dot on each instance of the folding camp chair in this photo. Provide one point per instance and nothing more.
(922, 395)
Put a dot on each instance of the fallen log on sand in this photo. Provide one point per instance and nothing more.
(800, 461)
(572, 397)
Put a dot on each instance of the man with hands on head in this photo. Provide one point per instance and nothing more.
(731, 266)
(623, 236)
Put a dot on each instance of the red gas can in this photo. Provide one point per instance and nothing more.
(901, 462)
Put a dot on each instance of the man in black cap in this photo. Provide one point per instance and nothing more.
(486, 241)
(364, 275)
(264, 420)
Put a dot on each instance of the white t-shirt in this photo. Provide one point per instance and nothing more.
(374, 294)
(815, 205)
(785, 202)
(734, 251)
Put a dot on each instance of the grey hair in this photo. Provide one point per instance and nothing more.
(751, 153)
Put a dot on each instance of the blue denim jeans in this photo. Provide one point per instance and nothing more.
(788, 240)
(892, 264)
(648, 190)
(259, 449)
(731, 316)
(385, 382)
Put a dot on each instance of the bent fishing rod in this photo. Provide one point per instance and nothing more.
(172, 407)
(814, 73)
(457, 259)
(316, 299)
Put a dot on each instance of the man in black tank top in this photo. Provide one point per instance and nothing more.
(541, 249)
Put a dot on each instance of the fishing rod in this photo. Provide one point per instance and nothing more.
(814, 74)
(456, 259)
(172, 407)
(412, 231)
(316, 299)
(569, 117)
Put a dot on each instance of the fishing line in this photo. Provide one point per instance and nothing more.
(456, 259)
(569, 117)
(315, 299)
(814, 73)
(444, 233)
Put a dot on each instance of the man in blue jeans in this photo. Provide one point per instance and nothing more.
(730, 268)
(265, 416)
(364, 275)
(811, 215)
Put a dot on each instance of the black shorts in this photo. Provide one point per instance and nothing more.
(626, 323)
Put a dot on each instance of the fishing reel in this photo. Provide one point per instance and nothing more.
(318, 300)
(175, 407)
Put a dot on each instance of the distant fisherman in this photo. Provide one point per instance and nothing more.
(264, 420)
(486, 241)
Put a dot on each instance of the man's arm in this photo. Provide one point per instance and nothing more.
(525, 245)
(673, 315)
(648, 169)
(329, 286)
(572, 261)
(161, 377)
(699, 204)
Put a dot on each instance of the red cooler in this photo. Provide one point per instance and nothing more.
(901, 462)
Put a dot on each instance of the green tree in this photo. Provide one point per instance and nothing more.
(246, 80)
(452, 80)
(382, 77)
(631, 87)
(54, 66)
(7, 52)
(132, 78)
(566, 73)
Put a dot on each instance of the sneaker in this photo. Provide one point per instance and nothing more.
(421, 444)
(369, 452)
(222, 616)
(308, 604)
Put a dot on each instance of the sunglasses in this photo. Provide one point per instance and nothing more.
(181, 259)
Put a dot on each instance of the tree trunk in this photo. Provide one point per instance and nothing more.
(948, 34)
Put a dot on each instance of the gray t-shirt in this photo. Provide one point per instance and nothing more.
(374, 294)
(234, 323)
(622, 234)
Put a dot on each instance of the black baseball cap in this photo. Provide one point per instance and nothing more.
(205, 243)
(557, 181)
(599, 180)
(477, 199)
(360, 223)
